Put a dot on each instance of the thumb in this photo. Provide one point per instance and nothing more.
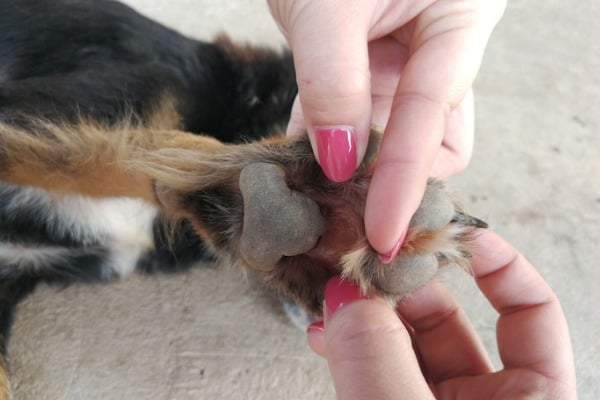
(368, 349)
(329, 42)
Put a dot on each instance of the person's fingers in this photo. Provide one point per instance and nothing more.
(533, 338)
(532, 330)
(446, 49)
(457, 144)
(369, 351)
(296, 123)
(387, 57)
(399, 180)
(329, 42)
(448, 344)
(315, 337)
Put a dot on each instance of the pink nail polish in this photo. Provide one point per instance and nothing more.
(338, 292)
(316, 327)
(389, 257)
(336, 146)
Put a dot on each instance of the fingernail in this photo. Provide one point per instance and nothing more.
(338, 292)
(315, 327)
(336, 146)
(389, 257)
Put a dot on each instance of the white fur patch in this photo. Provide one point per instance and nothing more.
(123, 225)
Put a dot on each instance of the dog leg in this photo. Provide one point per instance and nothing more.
(267, 207)
(248, 202)
(90, 159)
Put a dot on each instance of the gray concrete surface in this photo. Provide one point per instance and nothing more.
(209, 334)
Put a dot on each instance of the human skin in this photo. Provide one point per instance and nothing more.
(405, 65)
(427, 347)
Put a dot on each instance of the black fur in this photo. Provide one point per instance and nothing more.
(63, 60)
(12, 291)
(174, 250)
(100, 58)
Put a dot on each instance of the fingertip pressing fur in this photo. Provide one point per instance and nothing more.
(427, 247)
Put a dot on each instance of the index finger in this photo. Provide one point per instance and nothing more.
(413, 137)
(532, 330)
(447, 41)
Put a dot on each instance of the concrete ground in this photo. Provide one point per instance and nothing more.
(208, 334)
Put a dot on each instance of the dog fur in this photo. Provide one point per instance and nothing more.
(122, 144)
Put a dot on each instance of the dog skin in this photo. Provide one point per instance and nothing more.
(126, 108)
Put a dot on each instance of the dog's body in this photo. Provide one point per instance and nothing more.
(104, 169)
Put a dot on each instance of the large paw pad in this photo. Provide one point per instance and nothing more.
(278, 221)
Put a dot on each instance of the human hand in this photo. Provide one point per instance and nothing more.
(432, 351)
(405, 65)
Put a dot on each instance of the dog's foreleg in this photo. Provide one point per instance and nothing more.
(91, 159)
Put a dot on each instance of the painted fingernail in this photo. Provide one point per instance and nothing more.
(338, 292)
(315, 327)
(389, 257)
(336, 146)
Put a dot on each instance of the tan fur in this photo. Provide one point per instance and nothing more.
(181, 173)
(361, 265)
(443, 241)
(97, 160)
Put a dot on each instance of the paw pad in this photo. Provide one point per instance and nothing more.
(407, 273)
(428, 239)
(277, 221)
(435, 211)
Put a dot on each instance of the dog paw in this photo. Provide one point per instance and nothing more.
(435, 237)
(267, 207)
